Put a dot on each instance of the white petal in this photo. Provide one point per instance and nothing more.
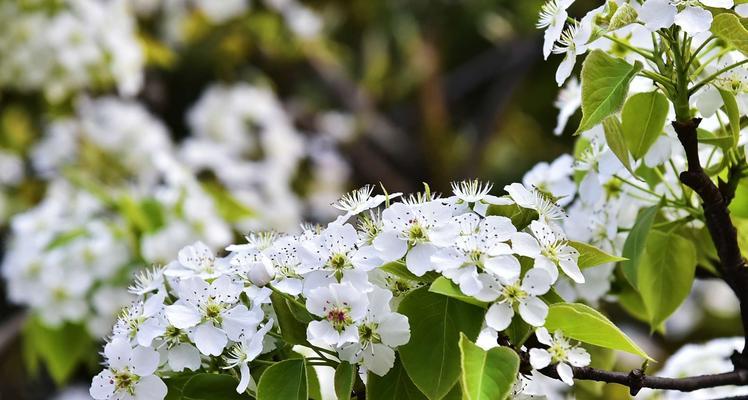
(657, 14)
(540, 358)
(244, 378)
(590, 190)
(525, 244)
(718, 3)
(240, 321)
(742, 10)
(145, 360)
(322, 332)
(544, 336)
(448, 259)
(150, 388)
(505, 267)
(499, 316)
(379, 358)
(565, 373)
(536, 282)
(469, 282)
(565, 67)
(520, 195)
(183, 356)
(390, 246)
(553, 33)
(210, 340)
(118, 353)
(578, 357)
(182, 316)
(418, 259)
(694, 20)
(533, 311)
(571, 269)
(102, 385)
(545, 264)
(708, 100)
(149, 330)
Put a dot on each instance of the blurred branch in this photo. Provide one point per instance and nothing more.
(10, 329)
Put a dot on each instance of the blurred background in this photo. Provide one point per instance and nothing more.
(129, 128)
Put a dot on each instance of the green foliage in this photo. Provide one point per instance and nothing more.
(666, 273)
(520, 216)
(396, 384)
(62, 350)
(446, 287)
(730, 28)
(399, 269)
(642, 120)
(635, 242)
(591, 256)
(624, 15)
(605, 82)
(228, 207)
(487, 375)
(345, 377)
(614, 137)
(210, 387)
(432, 357)
(292, 330)
(583, 323)
(285, 380)
(733, 115)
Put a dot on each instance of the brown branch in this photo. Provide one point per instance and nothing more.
(636, 379)
(715, 200)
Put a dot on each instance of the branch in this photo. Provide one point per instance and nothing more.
(636, 379)
(715, 200)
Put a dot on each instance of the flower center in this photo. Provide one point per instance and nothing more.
(125, 381)
(339, 318)
(212, 311)
(513, 293)
(416, 233)
(558, 352)
(368, 334)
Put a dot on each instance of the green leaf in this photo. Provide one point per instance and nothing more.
(733, 114)
(520, 216)
(605, 83)
(643, 119)
(395, 385)
(211, 387)
(432, 357)
(62, 350)
(729, 27)
(292, 330)
(666, 273)
(624, 15)
(345, 377)
(591, 256)
(487, 375)
(635, 242)
(446, 287)
(583, 323)
(706, 137)
(285, 380)
(175, 384)
(616, 142)
(518, 331)
(231, 209)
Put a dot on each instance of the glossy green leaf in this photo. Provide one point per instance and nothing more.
(446, 287)
(666, 273)
(642, 120)
(292, 330)
(520, 216)
(605, 83)
(614, 137)
(399, 269)
(432, 357)
(733, 114)
(211, 387)
(487, 375)
(591, 256)
(396, 384)
(729, 28)
(635, 242)
(345, 377)
(284, 380)
(583, 323)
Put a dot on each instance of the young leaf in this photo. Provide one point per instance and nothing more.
(583, 323)
(395, 385)
(284, 380)
(591, 256)
(345, 377)
(642, 119)
(211, 387)
(605, 83)
(624, 15)
(666, 273)
(432, 357)
(633, 247)
(733, 114)
(728, 27)
(62, 349)
(446, 287)
(487, 375)
(614, 137)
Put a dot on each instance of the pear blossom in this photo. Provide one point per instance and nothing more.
(559, 352)
(522, 295)
(197, 260)
(242, 353)
(342, 308)
(567, 102)
(547, 209)
(360, 200)
(129, 373)
(555, 252)
(553, 18)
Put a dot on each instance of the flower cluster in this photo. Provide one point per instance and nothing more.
(60, 48)
(203, 312)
